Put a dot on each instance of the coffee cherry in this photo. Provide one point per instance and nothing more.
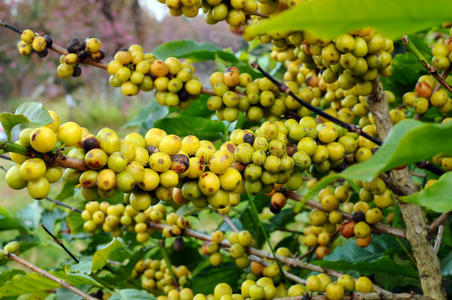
(14, 179)
(96, 159)
(38, 188)
(106, 180)
(12, 247)
(39, 43)
(69, 133)
(43, 139)
(334, 291)
(313, 283)
(361, 230)
(364, 285)
(32, 169)
(140, 201)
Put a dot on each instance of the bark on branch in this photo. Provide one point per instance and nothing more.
(401, 183)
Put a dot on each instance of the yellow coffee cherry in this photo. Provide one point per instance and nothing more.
(32, 169)
(43, 139)
(170, 144)
(70, 133)
(38, 188)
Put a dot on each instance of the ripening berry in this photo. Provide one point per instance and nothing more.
(39, 44)
(27, 36)
(313, 283)
(170, 144)
(93, 45)
(334, 291)
(13, 178)
(193, 87)
(140, 201)
(24, 48)
(65, 70)
(12, 247)
(296, 290)
(96, 159)
(219, 200)
(38, 188)
(43, 139)
(69, 133)
(106, 180)
(32, 169)
(53, 174)
(364, 285)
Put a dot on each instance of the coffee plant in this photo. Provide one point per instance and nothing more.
(314, 165)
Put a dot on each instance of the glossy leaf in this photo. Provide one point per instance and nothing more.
(7, 221)
(66, 191)
(10, 120)
(35, 113)
(30, 283)
(436, 197)
(75, 222)
(196, 51)
(27, 112)
(198, 126)
(31, 214)
(408, 142)
(100, 258)
(330, 18)
(147, 116)
(206, 280)
(373, 259)
(131, 294)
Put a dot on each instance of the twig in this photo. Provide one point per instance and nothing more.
(293, 262)
(5, 157)
(439, 221)
(438, 238)
(63, 205)
(307, 253)
(11, 27)
(431, 69)
(168, 262)
(228, 221)
(59, 242)
(283, 88)
(58, 159)
(46, 274)
(378, 228)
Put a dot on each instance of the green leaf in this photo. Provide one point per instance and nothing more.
(446, 265)
(410, 141)
(77, 279)
(8, 274)
(373, 259)
(148, 115)
(9, 121)
(330, 18)
(27, 112)
(186, 125)
(7, 221)
(35, 112)
(279, 220)
(66, 191)
(193, 50)
(84, 266)
(30, 283)
(100, 258)
(198, 108)
(205, 281)
(75, 222)
(436, 197)
(31, 214)
(131, 294)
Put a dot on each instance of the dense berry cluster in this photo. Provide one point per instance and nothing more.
(33, 42)
(442, 53)
(77, 52)
(174, 82)
(155, 275)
